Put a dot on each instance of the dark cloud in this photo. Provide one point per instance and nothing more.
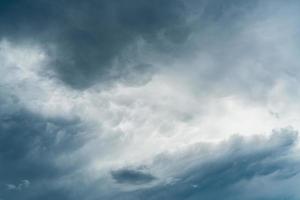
(130, 176)
(86, 38)
(222, 178)
(103, 41)
(91, 41)
(30, 147)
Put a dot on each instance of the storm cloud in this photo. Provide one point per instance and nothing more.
(139, 99)
(132, 176)
(86, 40)
(229, 175)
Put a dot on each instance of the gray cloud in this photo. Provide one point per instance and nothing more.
(30, 147)
(86, 39)
(30, 150)
(129, 176)
(98, 41)
(215, 47)
(225, 177)
(241, 49)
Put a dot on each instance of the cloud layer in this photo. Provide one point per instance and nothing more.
(162, 99)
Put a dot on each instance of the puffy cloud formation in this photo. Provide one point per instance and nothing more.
(162, 99)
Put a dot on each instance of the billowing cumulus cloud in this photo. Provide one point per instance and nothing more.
(136, 99)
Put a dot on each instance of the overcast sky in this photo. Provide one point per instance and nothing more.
(149, 99)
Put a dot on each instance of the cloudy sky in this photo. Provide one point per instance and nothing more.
(149, 99)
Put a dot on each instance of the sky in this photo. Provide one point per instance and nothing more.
(149, 100)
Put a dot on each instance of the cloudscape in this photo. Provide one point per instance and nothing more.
(149, 99)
